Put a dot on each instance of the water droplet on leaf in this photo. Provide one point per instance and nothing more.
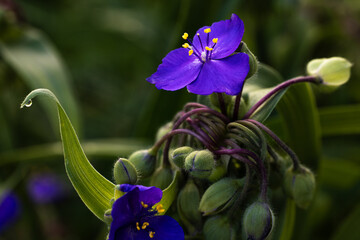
(28, 103)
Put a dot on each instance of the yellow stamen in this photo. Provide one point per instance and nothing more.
(137, 226)
(151, 234)
(144, 204)
(215, 40)
(185, 36)
(208, 48)
(207, 30)
(191, 52)
(198, 34)
(185, 45)
(160, 208)
(145, 224)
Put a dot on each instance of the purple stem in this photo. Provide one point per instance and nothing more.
(292, 154)
(201, 133)
(237, 105)
(277, 89)
(222, 103)
(194, 105)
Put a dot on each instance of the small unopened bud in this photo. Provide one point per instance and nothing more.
(220, 168)
(252, 60)
(219, 227)
(188, 206)
(200, 163)
(220, 195)
(107, 217)
(178, 155)
(124, 172)
(163, 130)
(161, 178)
(258, 221)
(333, 71)
(144, 162)
(300, 185)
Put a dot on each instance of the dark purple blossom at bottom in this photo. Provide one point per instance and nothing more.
(9, 209)
(135, 219)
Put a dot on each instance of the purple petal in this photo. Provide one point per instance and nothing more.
(165, 228)
(229, 33)
(129, 233)
(226, 75)
(176, 71)
(124, 211)
(149, 195)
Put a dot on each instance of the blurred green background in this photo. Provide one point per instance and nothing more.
(101, 52)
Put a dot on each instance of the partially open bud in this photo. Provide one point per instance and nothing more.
(220, 195)
(333, 71)
(162, 177)
(258, 221)
(178, 155)
(188, 206)
(219, 227)
(200, 163)
(144, 162)
(300, 185)
(124, 172)
(252, 59)
(163, 130)
(107, 217)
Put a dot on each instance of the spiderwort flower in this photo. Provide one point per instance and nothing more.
(205, 64)
(9, 209)
(135, 219)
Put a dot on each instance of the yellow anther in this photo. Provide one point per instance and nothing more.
(137, 226)
(151, 234)
(144, 204)
(215, 40)
(208, 48)
(198, 34)
(185, 45)
(145, 224)
(185, 36)
(160, 208)
(207, 30)
(191, 52)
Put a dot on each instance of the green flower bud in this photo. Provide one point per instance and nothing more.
(161, 178)
(163, 130)
(219, 227)
(214, 99)
(252, 60)
(258, 221)
(144, 162)
(124, 172)
(333, 71)
(200, 163)
(220, 195)
(188, 206)
(220, 168)
(107, 217)
(178, 155)
(300, 185)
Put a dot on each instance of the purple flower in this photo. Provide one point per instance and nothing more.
(45, 188)
(205, 64)
(135, 219)
(9, 209)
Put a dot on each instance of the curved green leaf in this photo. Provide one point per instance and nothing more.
(37, 62)
(349, 228)
(94, 190)
(288, 220)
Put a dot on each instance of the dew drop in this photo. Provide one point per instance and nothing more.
(28, 103)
